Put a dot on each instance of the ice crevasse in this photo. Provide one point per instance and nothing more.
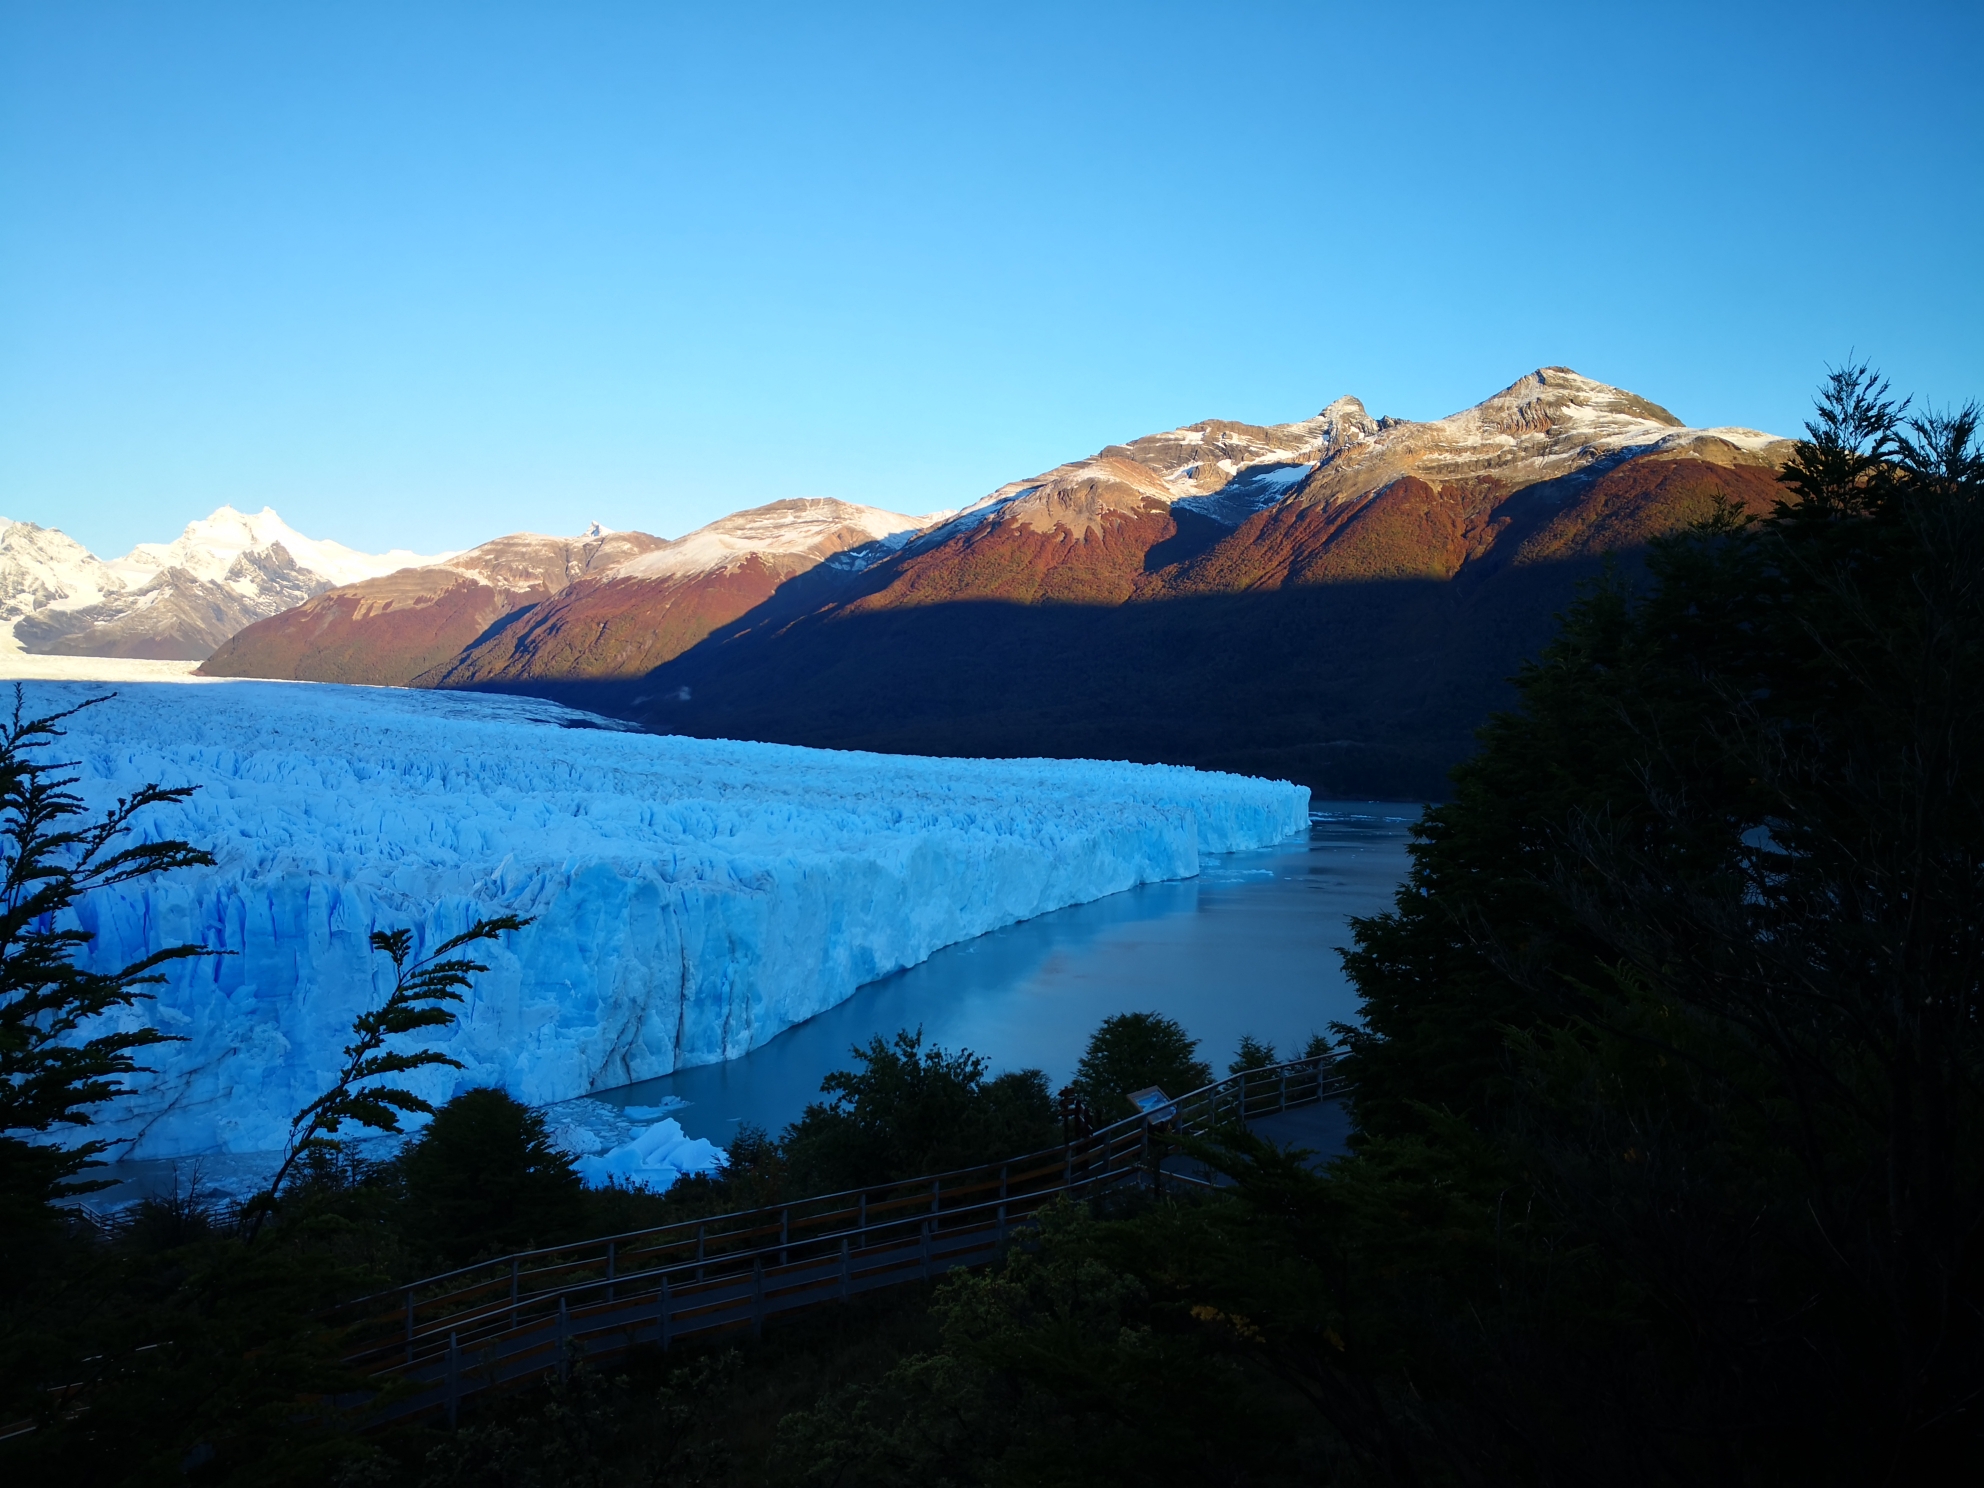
(691, 897)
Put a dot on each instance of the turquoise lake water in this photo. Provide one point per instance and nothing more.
(1249, 946)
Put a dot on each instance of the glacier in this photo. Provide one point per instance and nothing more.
(691, 897)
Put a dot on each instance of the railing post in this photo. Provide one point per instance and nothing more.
(666, 1307)
(862, 1222)
(454, 1377)
(844, 1280)
(513, 1291)
(926, 1250)
(1284, 1090)
(784, 1231)
(409, 1325)
(701, 1230)
(1004, 1168)
(612, 1249)
(564, 1331)
(757, 1297)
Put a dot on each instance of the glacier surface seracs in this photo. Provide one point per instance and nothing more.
(692, 897)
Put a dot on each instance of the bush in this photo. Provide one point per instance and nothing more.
(1062, 1365)
(910, 1110)
(484, 1178)
(1133, 1051)
(1252, 1054)
(1673, 1043)
(67, 1035)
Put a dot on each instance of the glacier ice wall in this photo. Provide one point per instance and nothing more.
(692, 897)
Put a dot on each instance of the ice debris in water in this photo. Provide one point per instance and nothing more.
(692, 897)
(654, 1159)
(634, 1146)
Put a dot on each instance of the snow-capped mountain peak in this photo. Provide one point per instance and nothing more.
(210, 546)
(172, 600)
(1550, 422)
(41, 566)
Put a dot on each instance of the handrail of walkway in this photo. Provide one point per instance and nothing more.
(506, 1320)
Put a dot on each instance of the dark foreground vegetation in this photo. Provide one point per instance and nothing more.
(1671, 1152)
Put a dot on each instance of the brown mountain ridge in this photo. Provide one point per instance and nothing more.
(1338, 600)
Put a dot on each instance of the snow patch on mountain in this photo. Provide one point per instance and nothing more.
(1549, 423)
(804, 531)
(692, 898)
(1254, 489)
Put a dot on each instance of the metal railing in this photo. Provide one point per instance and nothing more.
(498, 1322)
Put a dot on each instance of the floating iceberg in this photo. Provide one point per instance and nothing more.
(654, 1159)
(692, 897)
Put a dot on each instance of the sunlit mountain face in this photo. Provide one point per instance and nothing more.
(1337, 600)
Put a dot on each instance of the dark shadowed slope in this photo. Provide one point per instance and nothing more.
(1355, 655)
(1344, 611)
(1339, 600)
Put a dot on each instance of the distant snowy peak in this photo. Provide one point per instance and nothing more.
(210, 548)
(791, 535)
(176, 600)
(40, 566)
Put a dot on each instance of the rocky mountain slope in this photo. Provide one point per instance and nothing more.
(628, 620)
(173, 601)
(525, 607)
(391, 630)
(1338, 600)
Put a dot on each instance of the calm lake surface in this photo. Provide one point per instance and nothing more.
(1249, 946)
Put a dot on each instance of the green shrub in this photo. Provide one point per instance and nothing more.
(1134, 1051)
(1252, 1054)
(910, 1110)
(483, 1178)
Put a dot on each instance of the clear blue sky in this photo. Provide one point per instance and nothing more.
(418, 274)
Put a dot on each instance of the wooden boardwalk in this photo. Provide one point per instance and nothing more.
(429, 1344)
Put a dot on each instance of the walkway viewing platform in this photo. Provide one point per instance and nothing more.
(502, 1322)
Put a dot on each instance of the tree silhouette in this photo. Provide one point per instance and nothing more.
(50, 1075)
